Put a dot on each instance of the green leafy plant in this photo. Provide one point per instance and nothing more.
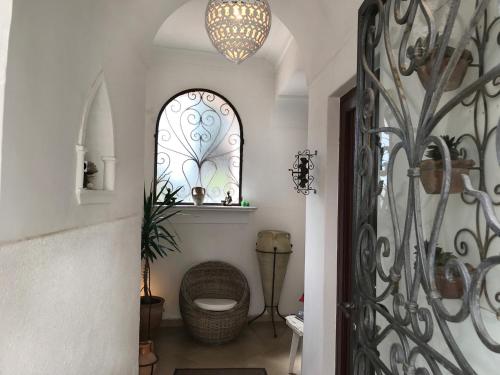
(442, 257)
(434, 151)
(158, 238)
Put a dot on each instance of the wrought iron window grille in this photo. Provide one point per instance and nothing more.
(199, 143)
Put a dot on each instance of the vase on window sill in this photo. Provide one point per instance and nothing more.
(198, 194)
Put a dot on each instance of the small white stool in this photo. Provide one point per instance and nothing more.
(297, 326)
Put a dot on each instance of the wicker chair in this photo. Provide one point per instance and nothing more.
(214, 280)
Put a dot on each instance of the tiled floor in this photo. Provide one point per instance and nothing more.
(256, 347)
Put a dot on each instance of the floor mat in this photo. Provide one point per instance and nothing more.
(246, 371)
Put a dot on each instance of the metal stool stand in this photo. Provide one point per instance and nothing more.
(273, 305)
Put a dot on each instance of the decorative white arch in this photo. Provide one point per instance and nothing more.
(96, 144)
(5, 21)
(307, 21)
(185, 29)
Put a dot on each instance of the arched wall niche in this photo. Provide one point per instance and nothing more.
(5, 22)
(95, 147)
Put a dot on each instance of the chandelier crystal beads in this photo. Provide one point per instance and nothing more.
(238, 28)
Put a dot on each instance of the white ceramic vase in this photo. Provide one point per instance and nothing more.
(198, 194)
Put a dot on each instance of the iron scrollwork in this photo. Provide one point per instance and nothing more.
(199, 143)
(479, 138)
(399, 303)
(301, 172)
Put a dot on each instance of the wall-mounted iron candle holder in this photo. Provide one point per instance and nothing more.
(301, 172)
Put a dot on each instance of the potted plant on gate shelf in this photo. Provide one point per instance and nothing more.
(452, 288)
(157, 240)
(432, 170)
(426, 63)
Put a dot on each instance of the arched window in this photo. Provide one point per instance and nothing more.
(199, 143)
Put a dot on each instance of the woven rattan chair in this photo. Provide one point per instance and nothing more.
(214, 280)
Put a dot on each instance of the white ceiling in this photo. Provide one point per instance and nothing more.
(185, 29)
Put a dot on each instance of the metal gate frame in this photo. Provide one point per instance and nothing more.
(415, 324)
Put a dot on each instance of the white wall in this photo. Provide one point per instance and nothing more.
(325, 90)
(50, 73)
(67, 304)
(290, 76)
(70, 295)
(5, 20)
(273, 134)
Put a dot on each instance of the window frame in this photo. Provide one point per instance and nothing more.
(242, 143)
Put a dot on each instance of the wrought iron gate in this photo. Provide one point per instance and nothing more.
(426, 66)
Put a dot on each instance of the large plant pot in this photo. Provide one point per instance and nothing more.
(457, 77)
(450, 289)
(151, 314)
(432, 172)
(273, 253)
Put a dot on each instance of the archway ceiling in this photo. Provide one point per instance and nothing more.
(308, 22)
(185, 29)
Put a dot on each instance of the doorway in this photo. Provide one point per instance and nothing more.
(344, 241)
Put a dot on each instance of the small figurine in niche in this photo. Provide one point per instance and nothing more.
(89, 171)
(228, 200)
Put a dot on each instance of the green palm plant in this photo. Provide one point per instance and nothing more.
(157, 237)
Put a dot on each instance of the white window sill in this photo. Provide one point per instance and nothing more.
(216, 208)
(212, 214)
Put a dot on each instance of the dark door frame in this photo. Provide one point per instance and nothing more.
(343, 361)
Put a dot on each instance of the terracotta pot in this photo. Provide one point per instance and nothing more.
(431, 175)
(457, 77)
(147, 358)
(150, 313)
(453, 289)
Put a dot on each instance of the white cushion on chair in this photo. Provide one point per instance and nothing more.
(215, 304)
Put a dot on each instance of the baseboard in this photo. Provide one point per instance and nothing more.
(172, 323)
(169, 323)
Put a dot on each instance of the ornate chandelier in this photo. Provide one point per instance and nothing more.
(238, 28)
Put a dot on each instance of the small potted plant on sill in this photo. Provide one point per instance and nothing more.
(157, 240)
(432, 170)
